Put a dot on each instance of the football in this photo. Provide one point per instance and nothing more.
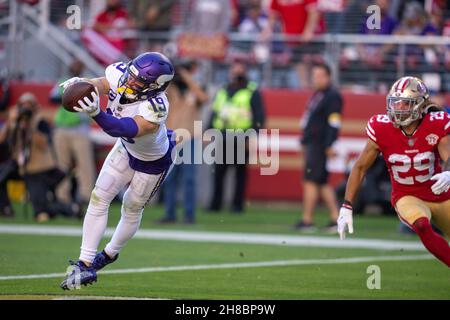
(75, 92)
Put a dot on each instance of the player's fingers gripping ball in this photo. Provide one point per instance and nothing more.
(69, 82)
(90, 106)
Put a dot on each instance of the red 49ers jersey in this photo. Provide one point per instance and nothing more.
(411, 160)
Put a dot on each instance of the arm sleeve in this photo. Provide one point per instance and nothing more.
(258, 111)
(333, 119)
(124, 127)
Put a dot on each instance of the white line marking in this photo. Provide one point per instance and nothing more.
(227, 237)
(276, 263)
(101, 298)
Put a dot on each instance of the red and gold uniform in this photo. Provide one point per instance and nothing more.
(412, 160)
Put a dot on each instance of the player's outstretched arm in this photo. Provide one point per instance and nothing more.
(442, 179)
(124, 127)
(101, 83)
(364, 162)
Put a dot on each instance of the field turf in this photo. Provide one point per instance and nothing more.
(180, 269)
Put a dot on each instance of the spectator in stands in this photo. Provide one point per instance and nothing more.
(73, 146)
(238, 105)
(299, 18)
(153, 15)
(446, 33)
(29, 139)
(209, 16)
(253, 23)
(105, 39)
(320, 123)
(186, 98)
(255, 20)
(416, 22)
(374, 54)
(439, 98)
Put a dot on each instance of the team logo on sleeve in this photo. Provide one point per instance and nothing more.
(432, 139)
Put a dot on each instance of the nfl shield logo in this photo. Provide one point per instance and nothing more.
(411, 142)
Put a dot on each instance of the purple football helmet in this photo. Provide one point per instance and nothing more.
(146, 76)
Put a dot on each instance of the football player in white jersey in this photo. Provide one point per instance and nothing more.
(141, 157)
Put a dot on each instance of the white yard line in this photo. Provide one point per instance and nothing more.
(100, 298)
(227, 237)
(276, 263)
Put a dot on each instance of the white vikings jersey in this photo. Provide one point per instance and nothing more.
(149, 147)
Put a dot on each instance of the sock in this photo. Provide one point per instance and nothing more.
(436, 244)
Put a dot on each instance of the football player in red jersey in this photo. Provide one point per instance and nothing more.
(413, 139)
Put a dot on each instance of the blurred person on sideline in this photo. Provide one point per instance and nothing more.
(29, 139)
(73, 146)
(237, 105)
(320, 123)
(186, 97)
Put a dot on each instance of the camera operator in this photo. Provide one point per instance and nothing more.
(28, 136)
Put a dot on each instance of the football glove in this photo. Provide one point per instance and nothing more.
(69, 82)
(442, 183)
(91, 107)
(345, 220)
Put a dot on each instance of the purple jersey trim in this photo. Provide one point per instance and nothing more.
(156, 166)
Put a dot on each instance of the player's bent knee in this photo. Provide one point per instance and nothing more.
(99, 196)
(132, 203)
(422, 225)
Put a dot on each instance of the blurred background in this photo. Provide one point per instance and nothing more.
(367, 48)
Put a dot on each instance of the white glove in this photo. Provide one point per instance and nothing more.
(345, 220)
(69, 82)
(442, 182)
(91, 107)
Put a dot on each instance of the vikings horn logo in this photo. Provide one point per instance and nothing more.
(432, 139)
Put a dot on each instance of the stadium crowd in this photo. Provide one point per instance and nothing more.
(107, 34)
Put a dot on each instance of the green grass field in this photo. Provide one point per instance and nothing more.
(182, 269)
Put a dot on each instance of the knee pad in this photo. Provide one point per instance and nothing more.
(133, 203)
(103, 188)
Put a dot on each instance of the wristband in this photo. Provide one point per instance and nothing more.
(347, 204)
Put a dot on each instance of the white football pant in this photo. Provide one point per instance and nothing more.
(114, 176)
